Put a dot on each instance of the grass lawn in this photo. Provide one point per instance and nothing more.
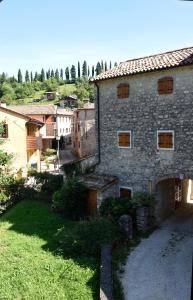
(29, 265)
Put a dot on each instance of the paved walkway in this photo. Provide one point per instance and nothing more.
(160, 267)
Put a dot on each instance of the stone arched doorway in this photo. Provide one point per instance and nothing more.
(171, 194)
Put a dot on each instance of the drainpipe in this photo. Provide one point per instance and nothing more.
(98, 124)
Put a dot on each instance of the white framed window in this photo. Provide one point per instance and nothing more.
(125, 192)
(124, 139)
(165, 140)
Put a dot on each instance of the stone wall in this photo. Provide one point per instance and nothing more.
(109, 191)
(145, 112)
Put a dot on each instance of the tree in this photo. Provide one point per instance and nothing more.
(48, 74)
(31, 77)
(50, 85)
(98, 69)
(27, 76)
(19, 76)
(102, 66)
(105, 66)
(88, 71)
(73, 73)
(52, 74)
(84, 90)
(78, 69)
(115, 64)
(42, 76)
(84, 68)
(7, 92)
(56, 75)
(36, 76)
(92, 71)
(67, 73)
(61, 74)
(110, 65)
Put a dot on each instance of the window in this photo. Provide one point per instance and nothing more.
(125, 192)
(123, 91)
(4, 134)
(66, 130)
(124, 139)
(165, 85)
(165, 139)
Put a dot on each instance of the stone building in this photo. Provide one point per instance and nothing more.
(64, 120)
(83, 131)
(144, 120)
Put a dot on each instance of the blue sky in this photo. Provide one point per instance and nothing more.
(58, 33)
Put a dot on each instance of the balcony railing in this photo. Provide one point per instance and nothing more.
(34, 143)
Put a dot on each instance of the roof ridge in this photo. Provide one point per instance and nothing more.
(153, 55)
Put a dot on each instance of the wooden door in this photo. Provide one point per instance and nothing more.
(91, 208)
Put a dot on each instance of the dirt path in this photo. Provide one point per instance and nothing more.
(160, 267)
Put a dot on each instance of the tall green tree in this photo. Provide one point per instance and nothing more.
(31, 77)
(115, 64)
(106, 66)
(67, 74)
(79, 70)
(73, 74)
(36, 76)
(88, 71)
(52, 75)
(84, 68)
(102, 66)
(27, 79)
(61, 74)
(56, 75)
(48, 74)
(92, 71)
(110, 65)
(42, 75)
(19, 76)
(98, 69)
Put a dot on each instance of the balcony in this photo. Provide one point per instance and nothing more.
(34, 143)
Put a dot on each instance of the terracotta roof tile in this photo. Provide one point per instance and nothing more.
(177, 58)
(34, 109)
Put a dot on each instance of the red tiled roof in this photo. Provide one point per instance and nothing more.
(34, 109)
(172, 59)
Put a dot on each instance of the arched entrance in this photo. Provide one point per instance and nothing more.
(171, 194)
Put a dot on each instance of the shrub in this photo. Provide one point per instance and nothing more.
(142, 199)
(70, 200)
(88, 236)
(5, 202)
(116, 207)
(46, 184)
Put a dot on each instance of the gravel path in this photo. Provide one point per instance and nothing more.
(160, 267)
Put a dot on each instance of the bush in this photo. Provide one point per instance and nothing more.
(70, 200)
(5, 202)
(116, 207)
(46, 184)
(88, 236)
(142, 199)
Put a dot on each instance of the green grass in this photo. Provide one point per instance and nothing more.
(30, 267)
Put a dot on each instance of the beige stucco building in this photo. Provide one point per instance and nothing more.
(21, 138)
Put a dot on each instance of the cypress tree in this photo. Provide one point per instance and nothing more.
(36, 76)
(31, 77)
(98, 68)
(57, 76)
(19, 76)
(42, 76)
(78, 69)
(115, 64)
(73, 73)
(61, 74)
(92, 71)
(105, 66)
(52, 74)
(48, 74)
(67, 73)
(102, 66)
(84, 68)
(110, 65)
(27, 76)
(88, 71)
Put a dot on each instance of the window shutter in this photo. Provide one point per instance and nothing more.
(123, 91)
(124, 139)
(165, 85)
(165, 140)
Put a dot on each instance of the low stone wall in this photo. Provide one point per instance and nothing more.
(106, 281)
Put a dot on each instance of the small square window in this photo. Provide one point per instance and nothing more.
(165, 140)
(124, 139)
(123, 91)
(125, 192)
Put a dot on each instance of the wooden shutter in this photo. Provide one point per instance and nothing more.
(125, 193)
(124, 139)
(191, 196)
(123, 91)
(165, 140)
(165, 85)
